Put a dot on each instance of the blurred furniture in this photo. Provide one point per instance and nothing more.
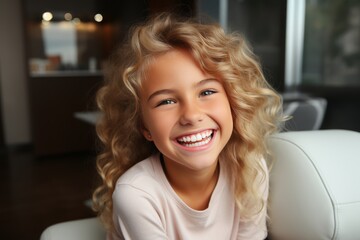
(314, 190)
(90, 117)
(307, 113)
(314, 185)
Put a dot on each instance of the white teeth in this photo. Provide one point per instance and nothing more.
(197, 144)
(198, 138)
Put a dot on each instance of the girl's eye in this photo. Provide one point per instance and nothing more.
(165, 102)
(207, 92)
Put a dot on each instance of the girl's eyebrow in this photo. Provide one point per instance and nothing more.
(159, 92)
(170, 91)
(207, 80)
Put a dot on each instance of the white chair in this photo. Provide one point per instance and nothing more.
(314, 190)
(84, 229)
(315, 185)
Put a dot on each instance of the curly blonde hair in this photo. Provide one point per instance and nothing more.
(256, 107)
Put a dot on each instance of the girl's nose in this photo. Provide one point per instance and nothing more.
(191, 114)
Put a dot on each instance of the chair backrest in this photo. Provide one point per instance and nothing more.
(315, 185)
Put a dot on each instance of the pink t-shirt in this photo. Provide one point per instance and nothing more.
(146, 207)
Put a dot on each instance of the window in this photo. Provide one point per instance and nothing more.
(331, 55)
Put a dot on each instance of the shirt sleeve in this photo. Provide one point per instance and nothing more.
(256, 229)
(136, 214)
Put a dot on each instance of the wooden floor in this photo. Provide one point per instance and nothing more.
(38, 192)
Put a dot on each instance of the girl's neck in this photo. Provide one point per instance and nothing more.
(194, 188)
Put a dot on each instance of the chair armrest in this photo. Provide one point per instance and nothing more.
(84, 229)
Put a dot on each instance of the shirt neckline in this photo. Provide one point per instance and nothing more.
(195, 213)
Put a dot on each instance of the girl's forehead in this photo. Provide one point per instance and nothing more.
(171, 65)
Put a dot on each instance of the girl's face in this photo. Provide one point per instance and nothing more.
(185, 112)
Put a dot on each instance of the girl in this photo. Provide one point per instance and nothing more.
(186, 112)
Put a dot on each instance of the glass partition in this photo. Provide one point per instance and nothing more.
(263, 25)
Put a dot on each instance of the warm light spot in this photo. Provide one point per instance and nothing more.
(76, 20)
(98, 17)
(67, 16)
(47, 16)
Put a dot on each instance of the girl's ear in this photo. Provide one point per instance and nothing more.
(147, 134)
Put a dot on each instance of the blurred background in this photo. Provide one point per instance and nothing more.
(51, 60)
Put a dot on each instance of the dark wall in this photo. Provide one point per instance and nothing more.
(2, 137)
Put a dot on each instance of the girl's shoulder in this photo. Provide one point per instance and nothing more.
(144, 176)
(145, 169)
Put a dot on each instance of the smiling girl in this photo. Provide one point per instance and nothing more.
(186, 113)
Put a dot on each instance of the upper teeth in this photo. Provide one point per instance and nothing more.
(196, 137)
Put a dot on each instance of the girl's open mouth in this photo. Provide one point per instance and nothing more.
(196, 140)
